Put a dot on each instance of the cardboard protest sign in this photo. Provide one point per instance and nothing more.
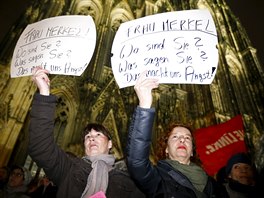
(176, 47)
(62, 45)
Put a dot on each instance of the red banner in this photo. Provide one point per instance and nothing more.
(216, 144)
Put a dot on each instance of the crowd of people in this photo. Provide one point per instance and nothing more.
(17, 182)
(177, 172)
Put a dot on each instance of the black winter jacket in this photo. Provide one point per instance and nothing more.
(70, 175)
(161, 180)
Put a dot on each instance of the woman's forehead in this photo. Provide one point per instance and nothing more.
(94, 131)
(17, 170)
(181, 130)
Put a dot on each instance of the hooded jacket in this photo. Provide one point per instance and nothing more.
(69, 174)
(161, 180)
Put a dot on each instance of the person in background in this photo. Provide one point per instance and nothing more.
(241, 177)
(17, 184)
(175, 175)
(45, 189)
(4, 175)
(93, 175)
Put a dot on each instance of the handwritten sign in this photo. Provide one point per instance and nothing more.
(176, 47)
(62, 45)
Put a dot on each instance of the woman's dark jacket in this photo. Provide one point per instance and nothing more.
(69, 174)
(161, 180)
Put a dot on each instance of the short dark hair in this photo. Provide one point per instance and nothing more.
(97, 127)
(15, 167)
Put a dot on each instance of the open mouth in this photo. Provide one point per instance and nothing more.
(93, 146)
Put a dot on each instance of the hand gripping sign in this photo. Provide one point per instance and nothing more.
(176, 47)
(62, 45)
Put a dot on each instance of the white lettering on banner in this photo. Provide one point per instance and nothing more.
(225, 140)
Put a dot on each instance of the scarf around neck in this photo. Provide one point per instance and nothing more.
(194, 173)
(98, 177)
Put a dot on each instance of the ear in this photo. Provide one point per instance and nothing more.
(166, 150)
(110, 144)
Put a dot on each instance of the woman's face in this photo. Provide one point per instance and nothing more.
(180, 145)
(96, 143)
(16, 178)
(243, 173)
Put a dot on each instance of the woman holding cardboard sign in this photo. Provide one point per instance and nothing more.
(96, 174)
(176, 175)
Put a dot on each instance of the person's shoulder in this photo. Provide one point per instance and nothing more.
(213, 181)
(22, 195)
(120, 167)
(218, 189)
(3, 192)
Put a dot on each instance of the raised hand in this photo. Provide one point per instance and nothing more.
(41, 79)
(143, 88)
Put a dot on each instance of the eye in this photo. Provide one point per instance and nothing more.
(175, 137)
(188, 138)
(87, 136)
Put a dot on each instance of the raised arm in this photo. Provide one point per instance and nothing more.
(42, 148)
(139, 137)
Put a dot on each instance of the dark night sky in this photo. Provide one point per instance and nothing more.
(251, 16)
(250, 13)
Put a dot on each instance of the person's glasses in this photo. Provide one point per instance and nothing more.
(17, 174)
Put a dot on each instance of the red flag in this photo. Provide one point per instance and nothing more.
(216, 144)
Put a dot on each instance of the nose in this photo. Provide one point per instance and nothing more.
(91, 138)
(182, 138)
